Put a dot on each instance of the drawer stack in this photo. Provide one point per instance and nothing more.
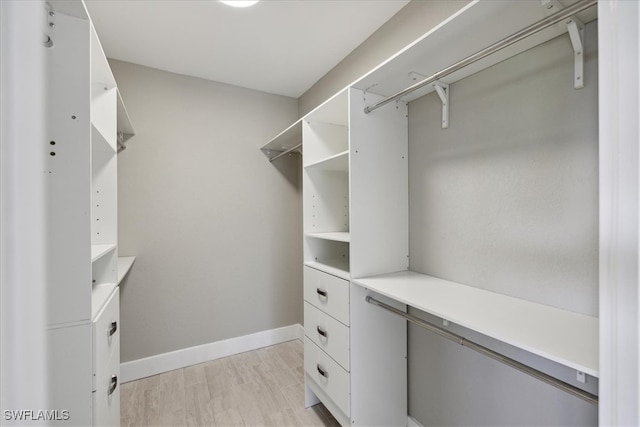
(326, 344)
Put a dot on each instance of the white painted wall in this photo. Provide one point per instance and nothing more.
(215, 227)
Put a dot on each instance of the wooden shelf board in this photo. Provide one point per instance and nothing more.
(337, 236)
(124, 265)
(98, 251)
(565, 337)
(335, 267)
(337, 162)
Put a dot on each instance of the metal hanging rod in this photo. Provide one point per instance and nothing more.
(508, 41)
(287, 151)
(586, 396)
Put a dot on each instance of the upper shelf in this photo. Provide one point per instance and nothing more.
(473, 28)
(287, 140)
(564, 337)
(333, 111)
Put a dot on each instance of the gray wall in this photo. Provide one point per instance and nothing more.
(216, 228)
(506, 199)
(406, 26)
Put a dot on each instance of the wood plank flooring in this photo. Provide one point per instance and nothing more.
(264, 387)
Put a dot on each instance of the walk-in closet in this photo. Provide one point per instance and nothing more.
(431, 220)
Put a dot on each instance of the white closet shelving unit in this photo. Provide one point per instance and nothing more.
(355, 199)
(350, 168)
(87, 125)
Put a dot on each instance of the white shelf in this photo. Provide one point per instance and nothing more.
(100, 295)
(124, 125)
(336, 236)
(333, 111)
(338, 162)
(467, 31)
(98, 251)
(99, 142)
(285, 140)
(335, 267)
(124, 265)
(565, 337)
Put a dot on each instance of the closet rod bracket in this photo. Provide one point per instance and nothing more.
(575, 28)
(443, 92)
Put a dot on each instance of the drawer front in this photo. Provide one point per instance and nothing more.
(106, 398)
(328, 293)
(106, 330)
(334, 382)
(327, 333)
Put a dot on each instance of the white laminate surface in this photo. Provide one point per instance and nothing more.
(565, 337)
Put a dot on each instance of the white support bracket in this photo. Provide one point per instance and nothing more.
(443, 92)
(575, 27)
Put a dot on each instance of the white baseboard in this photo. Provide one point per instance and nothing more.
(141, 368)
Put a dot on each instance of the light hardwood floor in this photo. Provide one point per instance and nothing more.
(263, 387)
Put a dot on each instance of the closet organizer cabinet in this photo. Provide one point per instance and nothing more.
(354, 196)
(356, 228)
(87, 124)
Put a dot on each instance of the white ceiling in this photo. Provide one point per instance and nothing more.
(277, 46)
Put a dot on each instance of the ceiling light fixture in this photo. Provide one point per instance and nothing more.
(239, 3)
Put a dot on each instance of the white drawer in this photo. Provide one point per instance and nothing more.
(328, 375)
(106, 398)
(328, 293)
(327, 333)
(106, 331)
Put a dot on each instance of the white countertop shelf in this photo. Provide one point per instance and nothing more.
(124, 265)
(565, 337)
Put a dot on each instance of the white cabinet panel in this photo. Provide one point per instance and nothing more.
(327, 333)
(328, 293)
(327, 375)
(106, 398)
(70, 371)
(106, 333)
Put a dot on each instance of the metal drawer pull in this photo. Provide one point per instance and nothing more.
(321, 331)
(113, 385)
(322, 371)
(321, 292)
(113, 328)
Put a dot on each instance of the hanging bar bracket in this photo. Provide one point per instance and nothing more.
(575, 27)
(443, 92)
